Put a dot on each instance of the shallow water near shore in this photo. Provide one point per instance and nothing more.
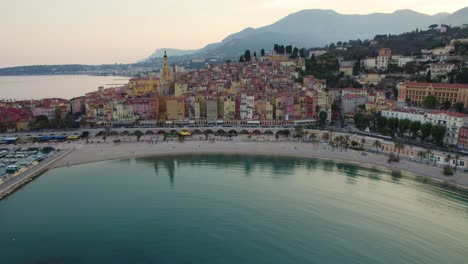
(232, 209)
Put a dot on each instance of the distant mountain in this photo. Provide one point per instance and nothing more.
(174, 52)
(458, 18)
(317, 27)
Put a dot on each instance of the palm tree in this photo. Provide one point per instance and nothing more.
(448, 158)
(313, 137)
(399, 145)
(363, 141)
(346, 142)
(428, 154)
(377, 145)
(339, 141)
(457, 157)
(326, 137)
(421, 155)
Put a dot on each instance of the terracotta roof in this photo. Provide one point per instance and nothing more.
(453, 114)
(445, 85)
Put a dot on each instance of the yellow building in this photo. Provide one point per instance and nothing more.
(346, 70)
(228, 107)
(180, 89)
(143, 86)
(175, 108)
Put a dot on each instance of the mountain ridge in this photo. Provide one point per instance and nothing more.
(293, 29)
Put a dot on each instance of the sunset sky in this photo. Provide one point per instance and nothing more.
(123, 31)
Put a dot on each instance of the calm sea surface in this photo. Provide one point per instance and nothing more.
(62, 86)
(231, 209)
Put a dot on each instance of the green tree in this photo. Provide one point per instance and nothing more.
(138, 135)
(403, 126)
(303, 53)
(429, 76)
(438, 134)
(428, 155)
(295, 52)
(381, 123)
(41, 122)
(392, 125)
(430, 102)
(247, 56)
(462, 76)
(433, 26)
(460, 107)
(241, 59)
(325, 137)
(414, 128)
(299, 131)
(289, 49)
(377, 145)
(446, 105)
(421, 155)
(276, 48)
(361, 121)
(457, 157)
(281, 49)
(399, 145)
(323, 117)
(85, 135)
(426, 130)
(262, 52)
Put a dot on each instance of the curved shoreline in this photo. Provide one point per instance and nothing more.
(90, 153)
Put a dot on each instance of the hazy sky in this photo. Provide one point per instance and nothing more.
(123, 31)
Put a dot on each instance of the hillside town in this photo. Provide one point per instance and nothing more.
(390, 94)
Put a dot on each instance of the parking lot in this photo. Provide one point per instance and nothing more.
(15, 160)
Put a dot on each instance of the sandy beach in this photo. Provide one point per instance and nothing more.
(93, 152)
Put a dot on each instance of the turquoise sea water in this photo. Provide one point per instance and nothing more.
(231, 209)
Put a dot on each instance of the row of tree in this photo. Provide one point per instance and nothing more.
(402, 128)
(43, 122)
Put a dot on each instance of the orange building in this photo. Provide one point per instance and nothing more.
(417, 92)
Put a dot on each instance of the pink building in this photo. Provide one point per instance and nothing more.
(146, 108)
(46, 111)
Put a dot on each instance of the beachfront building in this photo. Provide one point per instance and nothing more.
(452, 121)
(44, 111)
(417, 92)
(175, 108)
(412, 114)
(16, 119)
(247, 106)
(123, 113)
(145, 108)
(211, 109)
(227, 107)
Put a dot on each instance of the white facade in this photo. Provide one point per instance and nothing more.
(406, 113)
(382, 62)
(452, 121)
(369, 63)
(247, 106)
(46, 111)
(402, 61)
(123, 113)
(439, 69)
